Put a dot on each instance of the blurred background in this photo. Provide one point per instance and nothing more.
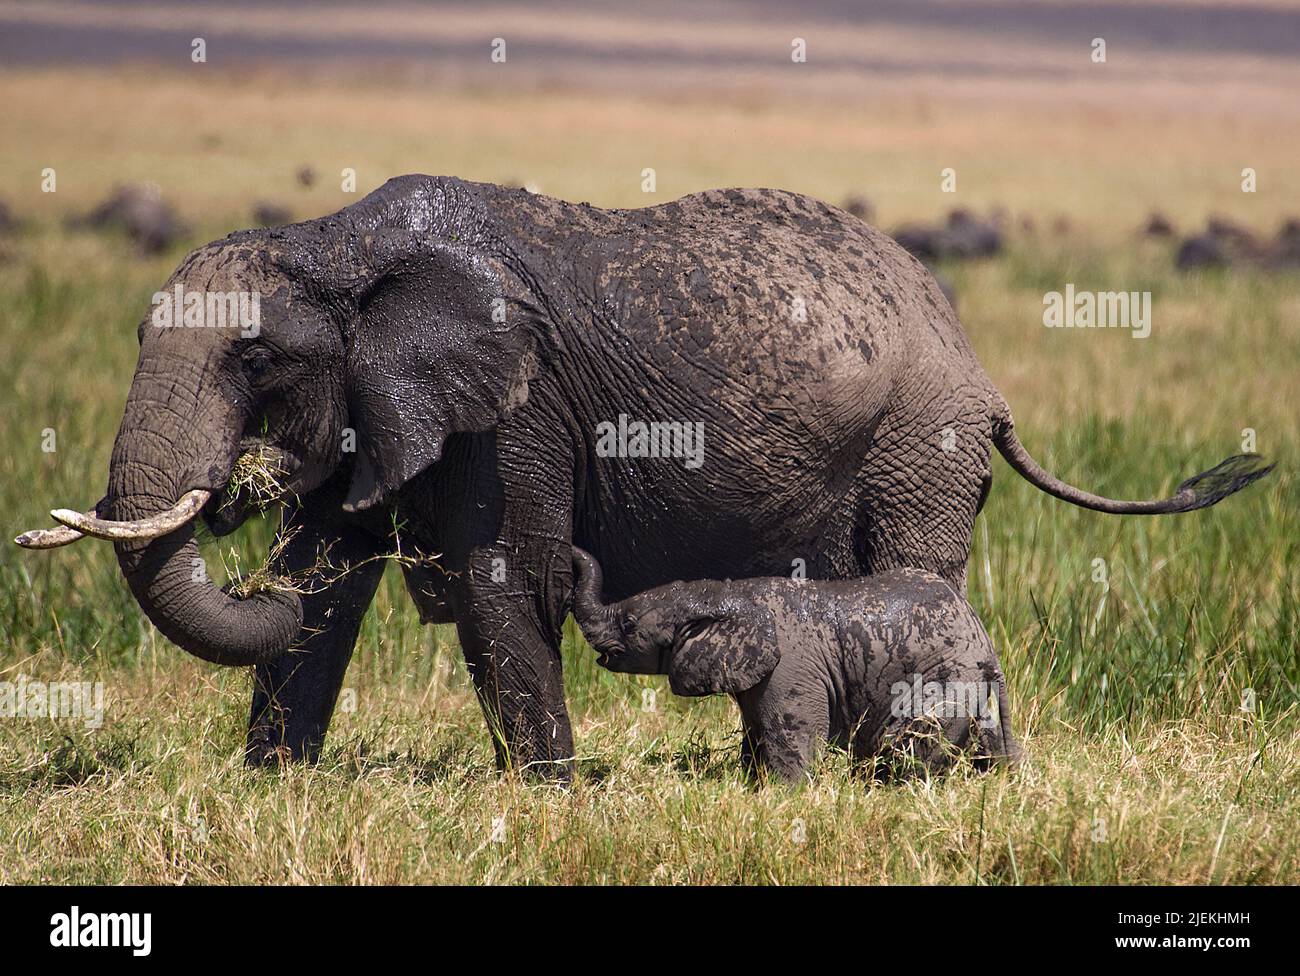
(1006, 92)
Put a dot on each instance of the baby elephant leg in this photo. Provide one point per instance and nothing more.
(996, 743)
(917, 746)
(781, 737)
(970, 717)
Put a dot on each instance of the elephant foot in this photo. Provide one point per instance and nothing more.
(547, 772)
(262, 753)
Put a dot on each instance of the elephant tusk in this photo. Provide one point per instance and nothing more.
(51, 538)
(146, 528)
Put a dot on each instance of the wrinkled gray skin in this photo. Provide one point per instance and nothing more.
(474, 337)
(812, 661)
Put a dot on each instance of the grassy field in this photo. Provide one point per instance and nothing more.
(1159, 709)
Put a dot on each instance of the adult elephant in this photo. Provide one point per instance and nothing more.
(490, 354)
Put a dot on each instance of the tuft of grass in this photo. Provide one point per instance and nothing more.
(257, 477)
(266, 576)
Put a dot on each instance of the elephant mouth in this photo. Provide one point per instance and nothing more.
(260, 478)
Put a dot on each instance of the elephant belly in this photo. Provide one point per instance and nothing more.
(745, 512)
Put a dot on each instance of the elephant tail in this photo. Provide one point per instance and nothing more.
(1201, 491)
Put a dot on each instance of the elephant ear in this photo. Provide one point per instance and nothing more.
(728, 654)
(436, 347)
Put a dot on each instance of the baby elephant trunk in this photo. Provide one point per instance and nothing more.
(595, 619)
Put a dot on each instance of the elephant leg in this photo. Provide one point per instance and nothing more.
(294, 696)
(997, 744)
(512, 653)
(923, 482)
(513, 546)
(785, 728)
(927, 745)
(782, 751)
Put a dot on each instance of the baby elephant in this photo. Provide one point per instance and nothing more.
(894, 667)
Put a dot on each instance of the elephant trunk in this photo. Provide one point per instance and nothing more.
(595, 618)
(170, 444)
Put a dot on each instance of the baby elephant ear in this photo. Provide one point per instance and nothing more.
(727, 655)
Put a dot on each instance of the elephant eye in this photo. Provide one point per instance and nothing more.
(258, 361)
(627, 626)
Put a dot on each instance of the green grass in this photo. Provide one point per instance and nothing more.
(1145, 765)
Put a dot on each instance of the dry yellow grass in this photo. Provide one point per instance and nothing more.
(409, 796)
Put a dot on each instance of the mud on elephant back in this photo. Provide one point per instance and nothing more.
(439, 358)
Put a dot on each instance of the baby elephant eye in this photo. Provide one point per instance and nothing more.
(627, 626)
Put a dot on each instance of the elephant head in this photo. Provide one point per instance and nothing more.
(704, 636)
(363, 340)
